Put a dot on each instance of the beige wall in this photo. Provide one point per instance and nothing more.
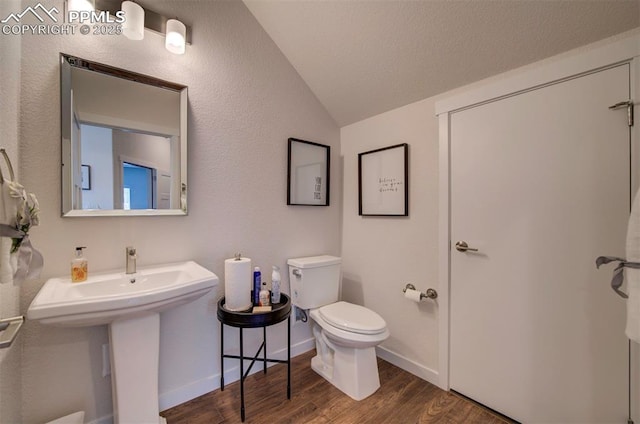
(382, 254)
(10, 358)
(245, 100)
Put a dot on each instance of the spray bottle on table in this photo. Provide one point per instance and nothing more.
(275, 285)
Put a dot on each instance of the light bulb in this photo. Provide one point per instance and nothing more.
(133, 26)
(81, 5)
(175, 37)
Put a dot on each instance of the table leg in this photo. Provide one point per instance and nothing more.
(221, 357)
(289, 357)
(264, 339)
(241, 378)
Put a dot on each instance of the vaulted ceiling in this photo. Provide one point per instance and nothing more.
(365, 57)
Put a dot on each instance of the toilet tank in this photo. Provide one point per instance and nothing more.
(315, 280)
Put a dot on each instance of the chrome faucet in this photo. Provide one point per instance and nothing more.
(131, 259)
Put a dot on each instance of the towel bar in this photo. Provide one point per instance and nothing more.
(9, 166)
(9, 328)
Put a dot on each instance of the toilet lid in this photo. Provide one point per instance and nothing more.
(353, 318)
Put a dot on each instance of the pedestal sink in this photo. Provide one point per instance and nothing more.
(130, 304)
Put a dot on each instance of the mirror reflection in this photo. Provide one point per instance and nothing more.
(123, 142)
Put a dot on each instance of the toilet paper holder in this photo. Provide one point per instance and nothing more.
(430, 294)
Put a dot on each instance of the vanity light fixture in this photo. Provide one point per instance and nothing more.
(133, 26)
(137, 18)
(81, 5)
(176, 35)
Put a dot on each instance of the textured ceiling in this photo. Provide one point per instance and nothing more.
(364, 57)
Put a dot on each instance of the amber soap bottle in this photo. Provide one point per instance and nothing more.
(79, 267)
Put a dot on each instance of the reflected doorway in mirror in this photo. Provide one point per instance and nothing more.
(86, 177)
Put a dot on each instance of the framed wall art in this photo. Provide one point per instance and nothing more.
(383, 181)
(86, 177)
(308, 173)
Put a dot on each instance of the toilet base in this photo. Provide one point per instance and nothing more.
(75, 418)
(352, 371)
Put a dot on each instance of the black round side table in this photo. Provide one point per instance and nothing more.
(246, 319)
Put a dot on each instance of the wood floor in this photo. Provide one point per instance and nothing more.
(402, 398)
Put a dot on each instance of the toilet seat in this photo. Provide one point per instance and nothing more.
(352, 318)
(346, 337)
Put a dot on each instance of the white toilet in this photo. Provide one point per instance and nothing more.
(346, 334)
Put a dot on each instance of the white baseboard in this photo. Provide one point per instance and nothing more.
(107, 419)
(408, 365)
(212, 382)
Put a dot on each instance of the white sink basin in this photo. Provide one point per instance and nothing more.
(132, 311)
(106, 297)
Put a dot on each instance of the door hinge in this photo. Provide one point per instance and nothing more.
(629, 105)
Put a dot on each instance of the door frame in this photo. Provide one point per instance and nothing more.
(600, 55)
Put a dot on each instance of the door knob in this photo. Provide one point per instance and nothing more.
(462, 246)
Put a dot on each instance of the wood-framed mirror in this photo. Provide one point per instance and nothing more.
(130, 130)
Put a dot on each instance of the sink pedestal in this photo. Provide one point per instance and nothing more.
(134, 369)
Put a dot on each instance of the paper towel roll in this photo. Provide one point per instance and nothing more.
(412, 295)
(237, 284)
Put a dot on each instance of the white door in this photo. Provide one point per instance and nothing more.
(163, 190)
(540, 185)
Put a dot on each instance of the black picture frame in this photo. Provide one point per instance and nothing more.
(86, 177)
(308, 176)
(383, 181)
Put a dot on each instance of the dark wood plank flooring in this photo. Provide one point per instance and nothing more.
(402, 398)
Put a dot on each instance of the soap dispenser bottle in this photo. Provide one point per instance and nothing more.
(79, 267)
